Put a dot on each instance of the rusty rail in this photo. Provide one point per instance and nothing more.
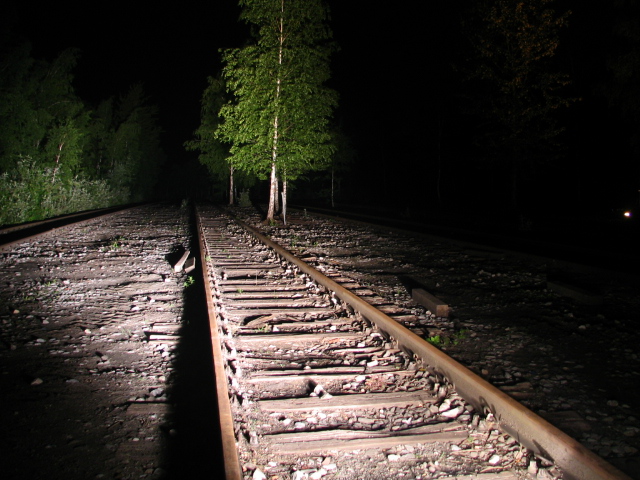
(15, 234)
(232, 469)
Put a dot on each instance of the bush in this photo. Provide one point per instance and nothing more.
(245, 199)
(30, 192)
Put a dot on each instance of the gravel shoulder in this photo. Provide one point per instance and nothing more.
(85, 390)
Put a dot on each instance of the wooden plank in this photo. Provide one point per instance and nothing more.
(249, 287)
(519, 391)
(162, 336)
(165, 326)
(342, 434)
(393, 310)
(276, 302)
(355, 369)
(249, 294)
(568, 421)
(577, 293)
(432, 303)
(490, 476)
(149, 408)
(241, 272)
(307, 378)
(284, 324)
(253, 341)
(368, 400)
(240, 264)
(241, 313)
(178, 266)
(312, 442)
(420, 282)
(190, 265)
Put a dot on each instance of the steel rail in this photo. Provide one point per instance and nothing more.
(41, 227)
(532, 431)
(68, 216)
(232, 469)
(536, 250)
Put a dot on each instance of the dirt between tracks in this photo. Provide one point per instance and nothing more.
(84, 392)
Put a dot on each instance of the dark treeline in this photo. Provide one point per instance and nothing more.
(58, 154)
(495, 108)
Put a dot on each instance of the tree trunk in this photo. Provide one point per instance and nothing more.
(514, 186)
(332, 187)
(273, 191)
(231, 198)
(439, 177)
(273, 187)
(57, 167)
(284, 201)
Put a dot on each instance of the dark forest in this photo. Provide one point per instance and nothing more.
(489, 111)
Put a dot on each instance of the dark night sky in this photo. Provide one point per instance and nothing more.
(391, 72)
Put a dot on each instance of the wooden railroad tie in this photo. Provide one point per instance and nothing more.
(180, 263)
(579, 294)
(319, 441)
(353, 401)
(432, 303)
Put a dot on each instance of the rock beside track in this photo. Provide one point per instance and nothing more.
(92, 332)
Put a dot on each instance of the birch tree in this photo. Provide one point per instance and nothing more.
(278, 121)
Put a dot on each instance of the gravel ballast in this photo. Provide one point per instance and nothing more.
(100, 341)
(93, 328)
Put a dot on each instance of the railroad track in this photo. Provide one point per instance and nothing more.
(316, 375)
(15, 234)
(315, 382)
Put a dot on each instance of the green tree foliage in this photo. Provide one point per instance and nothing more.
(278, 121)
(214, 153)
(56, 155)
(133, 148)
(41, 116)
(326, 185)
(514, 43)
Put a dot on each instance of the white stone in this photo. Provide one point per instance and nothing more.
(319, 474)
(453, 413)
(258, 475)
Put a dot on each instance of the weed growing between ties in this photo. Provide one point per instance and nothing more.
(114, 245)
(445, 341)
